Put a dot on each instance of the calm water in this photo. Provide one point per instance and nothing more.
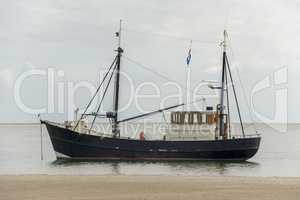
(279, 155)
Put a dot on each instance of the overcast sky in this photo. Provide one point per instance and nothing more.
(77, 39)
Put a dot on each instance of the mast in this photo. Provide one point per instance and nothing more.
(224, 87)
(221, 105)
(115, 128)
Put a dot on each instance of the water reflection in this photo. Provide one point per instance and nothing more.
(219, 167)
(156, 167)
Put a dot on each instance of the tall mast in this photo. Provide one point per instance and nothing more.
(221, 117)
(115, 128)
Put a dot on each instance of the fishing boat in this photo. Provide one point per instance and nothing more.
(78, 140)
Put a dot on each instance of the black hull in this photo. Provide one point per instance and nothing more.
(72, 145)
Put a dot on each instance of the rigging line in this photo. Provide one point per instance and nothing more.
(148, 69)
(169, 36)
(104, 93)
(228, 106)
(160, 75)
(155, 72)
(235, 97)
(242, 86)
(247, 103)
(90, 102)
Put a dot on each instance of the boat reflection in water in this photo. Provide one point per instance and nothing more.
(158, 167)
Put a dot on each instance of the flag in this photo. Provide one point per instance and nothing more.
(188, 58)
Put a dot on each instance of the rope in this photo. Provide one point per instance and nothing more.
(95, 92)
(149, 69)
(247, 103)
(235, 96)
(155, 72)
(242, 86)
(228, 106)
(104, 93)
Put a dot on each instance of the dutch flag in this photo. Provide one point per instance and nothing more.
(188, 58)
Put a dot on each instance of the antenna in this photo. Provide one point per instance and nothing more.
(118, 34)
(224, 43)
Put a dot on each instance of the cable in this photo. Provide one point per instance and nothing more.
(247, 103)
(95, 92)
(228, 106)
(242, 86)
(236, 101)
(148, 69)
(154, 72)
(104, 93)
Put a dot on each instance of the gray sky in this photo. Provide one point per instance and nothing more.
(77, 37)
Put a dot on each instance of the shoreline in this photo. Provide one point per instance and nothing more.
(150, 175)
(46, 187)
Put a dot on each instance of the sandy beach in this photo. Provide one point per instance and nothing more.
(43, 187)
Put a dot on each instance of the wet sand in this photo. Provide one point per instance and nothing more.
(43, 187)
